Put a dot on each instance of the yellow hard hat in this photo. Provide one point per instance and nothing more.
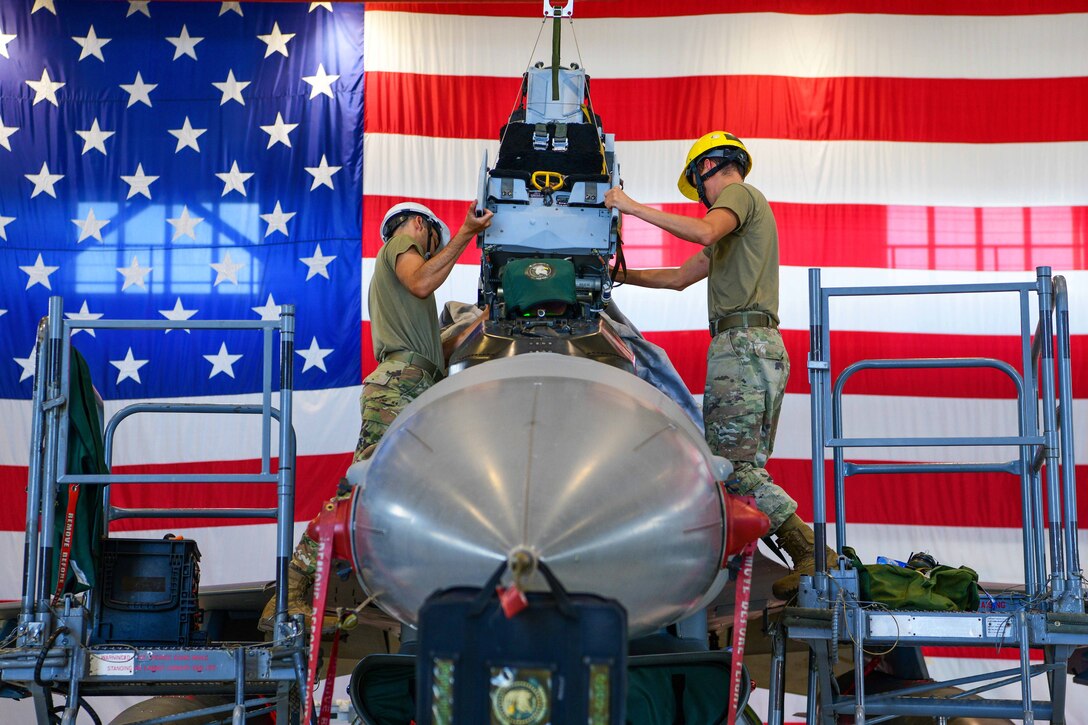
(711, 141)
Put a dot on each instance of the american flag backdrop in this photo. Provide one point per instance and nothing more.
(898, 142)
(184, 161)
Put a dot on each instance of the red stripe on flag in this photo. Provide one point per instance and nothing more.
(654, 8)
(990, 501)
(849, 235)
(975, 500)
(687, 351)
(928, 110)
(316, 480)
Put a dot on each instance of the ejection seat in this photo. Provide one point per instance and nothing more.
(547, 190)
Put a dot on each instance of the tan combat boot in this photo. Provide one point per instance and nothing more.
(300, 587)
(798, 540)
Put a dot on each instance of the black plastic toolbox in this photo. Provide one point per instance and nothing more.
(147, 592)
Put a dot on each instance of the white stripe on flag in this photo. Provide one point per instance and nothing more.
(326, 422)
(975, 314)
(811, 46)
(332, 428)
(807, 172)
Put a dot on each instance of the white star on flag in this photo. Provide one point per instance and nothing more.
(321, 82)
(83, 314)
(276, 41)
(277, 220)
(270, 311)
(137, 6)
(222, 362)
(134, 274)
(43, 181)
(231, 7)
(5, 38)
(317, 264)
(277, 132)
(185, 225)
(91, 44)
(178, 313)
(322, 174)
(187, 136)
(226, 270)
(94, 138)
(231, 89)
(90, 227)
(184, 44)
(139, 183)
(46, 4)
(27, 364)
(314, 356)
(316, 5)
(4, 221)
(138, 91)
(128, 368)
(234, 180)
(38, 273)
(45, 89)
(5, 134)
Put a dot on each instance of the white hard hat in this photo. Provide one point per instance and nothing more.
(397, 214)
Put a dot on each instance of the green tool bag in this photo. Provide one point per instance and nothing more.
(939, 589)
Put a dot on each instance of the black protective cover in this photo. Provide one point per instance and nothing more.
(559, 636)
(584, 155)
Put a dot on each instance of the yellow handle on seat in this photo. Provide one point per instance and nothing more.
(548, 180)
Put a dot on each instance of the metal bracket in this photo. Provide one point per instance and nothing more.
(540, 137)
(818, 365)
(54, 402)
(554, 10)
(33, 634)
(559, 139)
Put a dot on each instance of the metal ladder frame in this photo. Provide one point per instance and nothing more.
(1049, 615)
(52, 641)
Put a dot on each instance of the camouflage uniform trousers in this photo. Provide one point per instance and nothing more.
(386, 392)
(747, 368)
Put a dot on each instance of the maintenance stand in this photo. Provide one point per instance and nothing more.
(1047, 614)
(52, 651)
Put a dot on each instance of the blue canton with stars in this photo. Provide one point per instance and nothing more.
(183, 161)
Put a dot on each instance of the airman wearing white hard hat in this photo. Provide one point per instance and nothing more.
(416, 257)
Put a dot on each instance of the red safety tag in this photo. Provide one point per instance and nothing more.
(512, 600)
(330, 681)
(66, 543)
(326, 526)
(740, 626)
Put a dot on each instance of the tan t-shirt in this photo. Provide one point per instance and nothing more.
(744, 263)
(400, 321)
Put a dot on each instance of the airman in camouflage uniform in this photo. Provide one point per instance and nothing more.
(747, 365)
(416, 257)
(386, 391)
(747, 368)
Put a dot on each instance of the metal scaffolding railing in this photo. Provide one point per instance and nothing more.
(52, 638)
(1049, 614)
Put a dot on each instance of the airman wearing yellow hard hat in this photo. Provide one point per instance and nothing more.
(747, 363)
